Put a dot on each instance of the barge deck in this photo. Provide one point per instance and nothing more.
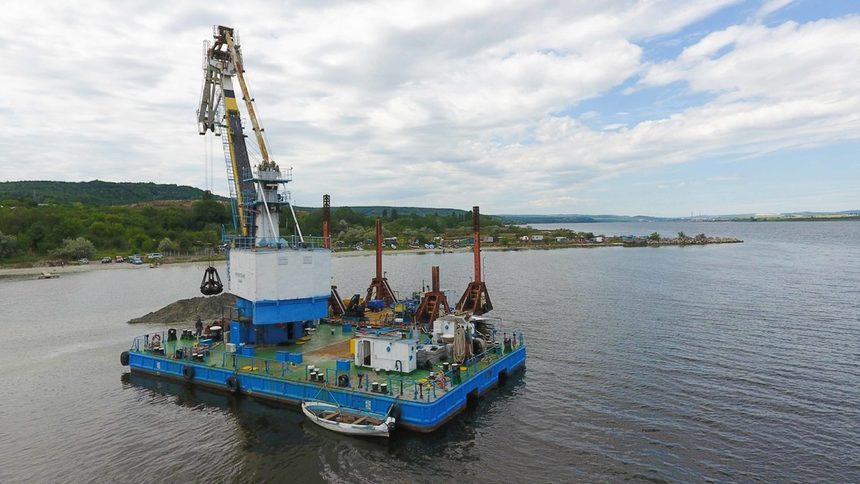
(423, 399)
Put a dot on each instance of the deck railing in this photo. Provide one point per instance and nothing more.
(283, 242)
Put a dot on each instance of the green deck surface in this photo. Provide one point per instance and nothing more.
(322, 351)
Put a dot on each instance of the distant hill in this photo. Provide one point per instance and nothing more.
(780, 217)
(376, 211)
(576, 218)
(96, 192)
(579, 218)
(106, 193)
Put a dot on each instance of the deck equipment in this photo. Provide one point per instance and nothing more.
(434, 303)
(280, 282)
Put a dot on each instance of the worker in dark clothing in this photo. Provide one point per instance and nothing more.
(198, 326)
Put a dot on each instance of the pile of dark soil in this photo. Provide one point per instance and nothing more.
(188, 310)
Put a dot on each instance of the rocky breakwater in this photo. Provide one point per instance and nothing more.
(682, 240)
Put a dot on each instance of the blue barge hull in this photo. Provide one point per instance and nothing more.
(414, 415)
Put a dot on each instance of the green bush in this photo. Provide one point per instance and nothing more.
(8, 246)
(73, 249)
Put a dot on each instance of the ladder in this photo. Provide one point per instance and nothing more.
(231, 183)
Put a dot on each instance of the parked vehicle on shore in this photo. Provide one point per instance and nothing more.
(106, 260)
(155, 256)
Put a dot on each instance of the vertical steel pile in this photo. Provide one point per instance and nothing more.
(335, 303)
(326, 221)
(379, 288)
(433, 301)
(476, 298)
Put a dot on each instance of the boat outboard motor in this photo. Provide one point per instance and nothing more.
(211, 284)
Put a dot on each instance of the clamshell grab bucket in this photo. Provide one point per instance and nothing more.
(211, 284)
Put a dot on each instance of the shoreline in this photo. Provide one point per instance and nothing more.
(35, 271)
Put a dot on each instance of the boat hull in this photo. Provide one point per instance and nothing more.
(312, 409)
(419, 416)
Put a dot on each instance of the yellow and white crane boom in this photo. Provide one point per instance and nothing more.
(222, 62)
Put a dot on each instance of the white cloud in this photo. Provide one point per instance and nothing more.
(771, 6)
(420, 103)
(783, 87)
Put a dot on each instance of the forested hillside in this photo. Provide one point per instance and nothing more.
(48, 228)
(95, 192)
(385, 211)
(40, 230)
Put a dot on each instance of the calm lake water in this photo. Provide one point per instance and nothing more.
(728, 363)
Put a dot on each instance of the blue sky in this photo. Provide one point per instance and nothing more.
(659, 107)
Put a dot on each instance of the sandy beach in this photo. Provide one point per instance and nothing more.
(72, 268)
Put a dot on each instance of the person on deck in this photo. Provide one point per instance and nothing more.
(198, 326)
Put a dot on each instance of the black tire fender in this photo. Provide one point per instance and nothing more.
(343, 380)
(123, 358)
(188, 373)
(233, 384)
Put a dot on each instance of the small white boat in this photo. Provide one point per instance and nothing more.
(347, 421)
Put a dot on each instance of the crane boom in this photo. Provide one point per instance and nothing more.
(223, 61)
(249, 101)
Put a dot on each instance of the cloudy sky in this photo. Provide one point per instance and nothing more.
(660, 107)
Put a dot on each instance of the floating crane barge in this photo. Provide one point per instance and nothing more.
(279, 343)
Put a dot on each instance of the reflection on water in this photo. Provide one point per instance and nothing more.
(272, 436)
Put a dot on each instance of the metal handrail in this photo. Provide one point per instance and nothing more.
(283, 242)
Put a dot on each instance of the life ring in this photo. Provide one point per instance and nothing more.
(188, 373)
(123, 358)
(233, 384)
(156, 339)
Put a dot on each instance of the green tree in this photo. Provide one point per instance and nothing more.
(78, 248)
(208, 211)
(654, 236)
(167, 245)
(682, 235)
(38, 235)
(8, 246)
